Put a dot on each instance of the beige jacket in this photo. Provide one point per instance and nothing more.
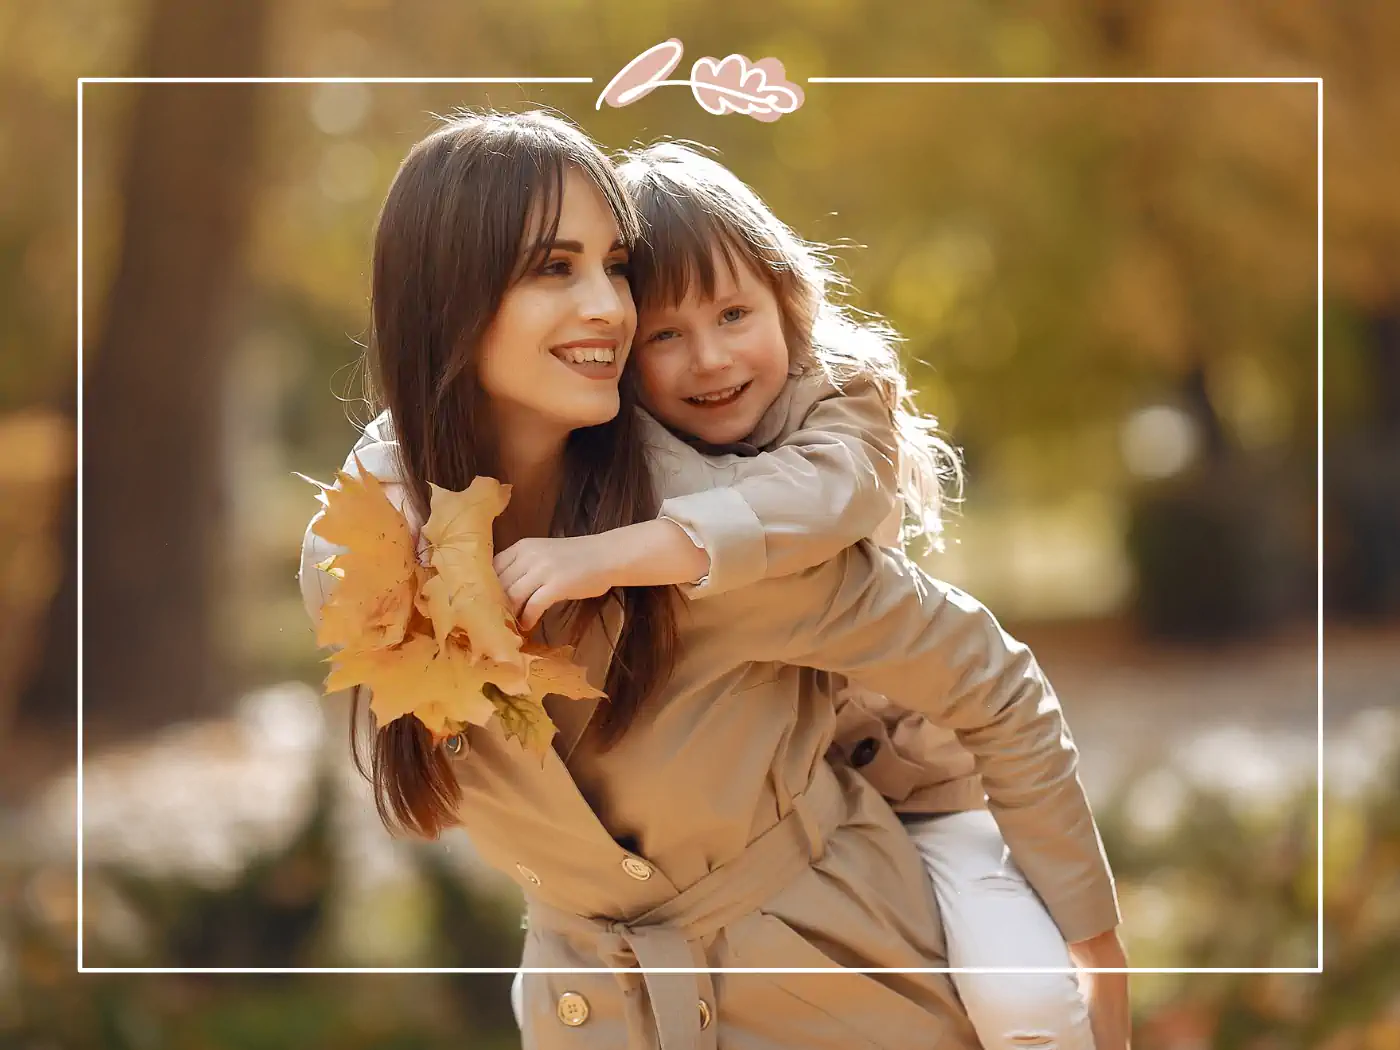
(716, 834)
(830, 478)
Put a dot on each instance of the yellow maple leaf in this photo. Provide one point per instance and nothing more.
(466, 594)
(435, 642)
(443, 688)
(553, 672)
(378, 576)
(523, 717)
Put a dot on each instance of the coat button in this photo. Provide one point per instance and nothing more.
(637, 868)
(454, 744)
(528, 875)
(864, 752)
(573, 1009)
(704, 1015)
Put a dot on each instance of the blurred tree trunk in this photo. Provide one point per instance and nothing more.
(153, 391)
(1363, 484)
(1385, 364)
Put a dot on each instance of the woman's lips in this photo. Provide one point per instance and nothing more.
(719, 398)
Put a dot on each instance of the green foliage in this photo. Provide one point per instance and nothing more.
(1230, 884)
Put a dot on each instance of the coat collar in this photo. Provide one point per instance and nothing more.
(595, 654)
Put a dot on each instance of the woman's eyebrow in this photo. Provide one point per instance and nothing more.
(577, 246)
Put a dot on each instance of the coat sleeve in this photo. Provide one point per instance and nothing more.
(873, 616)
(829, 483)
(317, 585)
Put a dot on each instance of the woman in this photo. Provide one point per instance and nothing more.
(694, 821)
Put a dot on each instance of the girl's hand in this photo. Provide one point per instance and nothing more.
(1109, 1015)
(540, 572)
(537, 573)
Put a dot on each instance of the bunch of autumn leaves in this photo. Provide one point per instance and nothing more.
(433, 641)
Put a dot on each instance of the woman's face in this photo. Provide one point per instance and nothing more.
(711, 367)
(556, 347)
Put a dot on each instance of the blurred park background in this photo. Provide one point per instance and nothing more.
(1109, 298)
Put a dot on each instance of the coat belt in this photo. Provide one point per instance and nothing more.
(663, 936)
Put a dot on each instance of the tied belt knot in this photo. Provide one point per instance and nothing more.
(669, 935)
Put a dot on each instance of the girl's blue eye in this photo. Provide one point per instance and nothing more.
(738, 310)
(662, 335)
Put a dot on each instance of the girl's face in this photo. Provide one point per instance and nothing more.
(711, 367)
(554, 351)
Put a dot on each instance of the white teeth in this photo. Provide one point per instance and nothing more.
(718, 395)
(583, 354)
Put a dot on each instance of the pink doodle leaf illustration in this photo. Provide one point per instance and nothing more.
(733, 85)
(643, 75)
(730, 85)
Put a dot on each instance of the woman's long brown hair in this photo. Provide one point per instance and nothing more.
(465, 214)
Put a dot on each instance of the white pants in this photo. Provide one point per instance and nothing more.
(992, 918)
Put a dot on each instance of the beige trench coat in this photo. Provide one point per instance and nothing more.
(831, 478)
(716, 834)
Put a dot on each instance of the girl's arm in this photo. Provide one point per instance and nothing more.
(872, 615)
(830, 482)
(541, 571)
(579, 567)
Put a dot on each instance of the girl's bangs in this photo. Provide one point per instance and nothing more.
(680, 238)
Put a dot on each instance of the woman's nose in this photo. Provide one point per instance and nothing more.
(605, 299)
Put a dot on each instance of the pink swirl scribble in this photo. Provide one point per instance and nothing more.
(644, 74)
(730, 85)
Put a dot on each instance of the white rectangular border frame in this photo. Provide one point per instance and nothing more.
(1317, 969)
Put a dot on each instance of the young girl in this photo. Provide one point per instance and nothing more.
(742, 350)
(694, 822)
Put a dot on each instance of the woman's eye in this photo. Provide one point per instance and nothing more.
(733, 314)
(555, 268)
(620, 269)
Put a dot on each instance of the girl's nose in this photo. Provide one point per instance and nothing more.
(710, 354)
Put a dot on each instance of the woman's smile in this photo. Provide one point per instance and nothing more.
(572, 307)
(592, 358)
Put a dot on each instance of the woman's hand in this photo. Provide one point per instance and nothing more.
(1109, 1013)
(540, 572)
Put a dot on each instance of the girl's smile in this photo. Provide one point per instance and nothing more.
(722, 398)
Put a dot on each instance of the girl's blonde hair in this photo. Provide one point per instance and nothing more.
(690, 205)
